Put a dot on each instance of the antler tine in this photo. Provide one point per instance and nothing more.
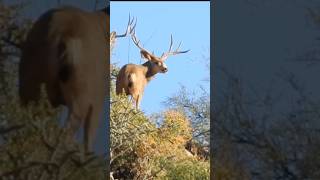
(178, 46)
(165, 56)
(136, 41)
(171, 42)
(143, 52)
(179, 52)
(134, 26)
(129, 28)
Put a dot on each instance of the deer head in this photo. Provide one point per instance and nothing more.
(157, 63)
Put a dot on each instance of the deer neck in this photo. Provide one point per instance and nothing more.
(150, 70)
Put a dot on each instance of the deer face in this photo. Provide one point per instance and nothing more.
(160, 67)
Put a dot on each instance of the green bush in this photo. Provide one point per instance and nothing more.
(189, 169)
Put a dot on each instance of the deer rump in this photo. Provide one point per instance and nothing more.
(66, 51)
(131, 80)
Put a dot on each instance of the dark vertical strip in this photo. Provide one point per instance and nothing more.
(212, 53)
(107, 102)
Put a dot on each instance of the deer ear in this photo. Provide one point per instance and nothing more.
(145, 55)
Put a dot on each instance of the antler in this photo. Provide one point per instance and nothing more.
(144, 53)
(165, 56)
(150, 56)
(130, 28)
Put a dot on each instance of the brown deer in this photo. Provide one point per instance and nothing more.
(133, 78)
(67, 50)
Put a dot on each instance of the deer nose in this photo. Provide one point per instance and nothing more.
(165, 69)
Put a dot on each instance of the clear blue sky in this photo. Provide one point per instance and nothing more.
(188, 22)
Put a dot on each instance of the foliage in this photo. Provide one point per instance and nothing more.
(191, 169)
(34, 145)
(197, 109)
(142, 149)
(272, 133)
(266, 139)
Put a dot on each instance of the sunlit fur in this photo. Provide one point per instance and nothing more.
(66, 50)
(133, 78)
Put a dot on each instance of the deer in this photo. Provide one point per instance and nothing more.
(66, 50)
(133, 78)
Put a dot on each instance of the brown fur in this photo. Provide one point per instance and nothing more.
(133, 78)
(67, 51)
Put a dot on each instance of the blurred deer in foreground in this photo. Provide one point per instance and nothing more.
(133, 78)
(66, 51)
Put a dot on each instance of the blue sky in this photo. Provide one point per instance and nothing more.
(188, 22)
